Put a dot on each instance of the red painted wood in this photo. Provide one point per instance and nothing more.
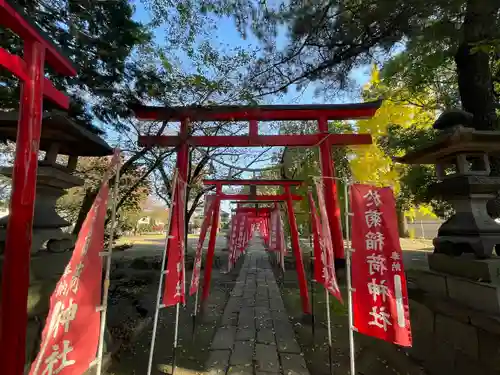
(330, 191)
(296, 140)
(254, 182)
(266, 197)
(14, 64)
(11, 18)
(253, 128)
(294, 234)
(17, 66)
(209, 263)
(15, 274)
(259, 113)
(54, 95)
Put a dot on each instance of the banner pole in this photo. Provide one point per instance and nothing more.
(105, 292)
(329, 327)
(348, 276)
(311, 266)
(162, 273)
(195, 311)
(176, 334)
(311, 283)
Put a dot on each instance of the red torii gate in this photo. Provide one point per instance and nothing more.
(37, 51)
(323, 139)
(288, 197)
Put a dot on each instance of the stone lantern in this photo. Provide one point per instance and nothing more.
(60, 136)
(461, 155)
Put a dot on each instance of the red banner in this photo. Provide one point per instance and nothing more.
(195, 276)
(174, 292)
(281, 236)
(71, 333)
(276, 235)
(380, 300)
(326, 246)
(241, 233)
(264, 230)
(209, 198)
(273, 235)
(318, 257)
(232, 243)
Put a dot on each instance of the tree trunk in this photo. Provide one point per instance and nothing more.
(88, 200)
(475, 81)
(402, 223)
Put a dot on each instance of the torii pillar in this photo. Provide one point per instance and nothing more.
(38, 51)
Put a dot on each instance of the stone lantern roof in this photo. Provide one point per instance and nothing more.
(58, 128)
(456, 140)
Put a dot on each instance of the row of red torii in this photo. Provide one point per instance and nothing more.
(323, 139)
(263, 212)
(38, 52)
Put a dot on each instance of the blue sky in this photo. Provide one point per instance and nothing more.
(226, 34)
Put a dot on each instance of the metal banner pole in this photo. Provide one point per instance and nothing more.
(311, 283)
(329, 327)
(176, 334)
(349, 250)
(195, 311)
(311, 271)
(162, 274)
(104, 304)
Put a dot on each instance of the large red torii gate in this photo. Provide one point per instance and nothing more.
(323, 139)
(288, 197)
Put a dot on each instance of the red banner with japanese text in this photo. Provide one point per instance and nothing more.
(71, 333)
(195, 276)
(241, 233)
(274, 233)
(326, 245)
(380, 299)
(233, 256)
(281, 236)
(318, 254)
(264, 230)
(174, 292)
(209, 199)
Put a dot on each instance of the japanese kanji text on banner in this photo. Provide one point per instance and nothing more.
(175, 273)
(380, 299)
(195, 277)
(71, 333)
(324, 240)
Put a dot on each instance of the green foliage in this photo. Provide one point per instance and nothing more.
(415, 181)
(91, 170)
(145, 228)
(422, 42)
(99, 37)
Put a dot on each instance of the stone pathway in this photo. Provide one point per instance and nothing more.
(255, 336)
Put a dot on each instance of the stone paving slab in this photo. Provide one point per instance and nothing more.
(293, 364)
(224, 338)
(255, 336)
